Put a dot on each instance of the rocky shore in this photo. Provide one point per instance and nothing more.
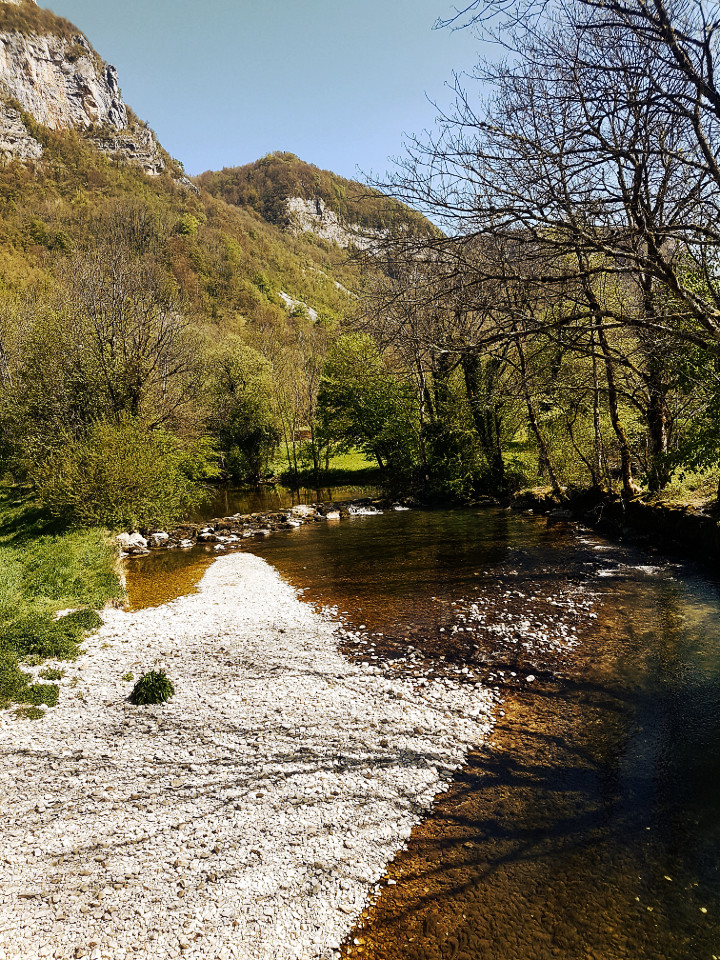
(231, 531)
(675, 528)
(252, 816)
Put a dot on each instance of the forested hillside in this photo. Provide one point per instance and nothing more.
(266, 186)
(562, 330)
(142, 312)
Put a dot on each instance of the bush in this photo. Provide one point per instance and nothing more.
(124, 474)
(152, 687)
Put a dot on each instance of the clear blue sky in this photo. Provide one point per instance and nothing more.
(223, 82)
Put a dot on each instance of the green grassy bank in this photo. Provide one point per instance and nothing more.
(45, 568)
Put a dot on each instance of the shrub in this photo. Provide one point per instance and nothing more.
(187, 225)
(152, 687)
(124, 474)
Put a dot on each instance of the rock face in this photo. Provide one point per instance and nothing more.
(63, 84)
(137, 146)
(60, 89)
(15, 140)
(313, 216)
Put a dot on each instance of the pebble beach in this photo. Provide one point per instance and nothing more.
(252, 816)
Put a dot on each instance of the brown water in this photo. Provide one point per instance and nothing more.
(227, 501)
(590, 827)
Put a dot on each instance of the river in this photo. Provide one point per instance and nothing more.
(589, 827)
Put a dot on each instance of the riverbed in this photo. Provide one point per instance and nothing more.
(252, 816)
(584, 824)
(590, 826)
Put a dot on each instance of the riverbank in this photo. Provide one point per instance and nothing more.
(46, 569)
(687, 529)
(250, 817)
(231, 531)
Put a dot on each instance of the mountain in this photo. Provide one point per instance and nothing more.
(303, 198)
(245, 246)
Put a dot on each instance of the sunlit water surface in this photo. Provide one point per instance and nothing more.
(589, 827)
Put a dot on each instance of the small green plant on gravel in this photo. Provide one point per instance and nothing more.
(28, 713)
(152, 687)
(127, 677)
(51, 673)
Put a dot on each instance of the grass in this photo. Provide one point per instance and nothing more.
(346, 470)
(152, 687)
(694, 489)
(44, 569)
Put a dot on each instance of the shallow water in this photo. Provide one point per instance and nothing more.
(589, 827)
(226, 501)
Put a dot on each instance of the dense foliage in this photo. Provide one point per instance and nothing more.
(265, 186)
(121, 473)
(129, 297)
(563, 330)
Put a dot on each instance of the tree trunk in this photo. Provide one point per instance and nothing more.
(630, 490)
(597, 470)
(545, 460)
(658, 423)
(485, 411)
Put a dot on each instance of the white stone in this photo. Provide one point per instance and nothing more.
(131, 542)
(222, 782)
(303, 510)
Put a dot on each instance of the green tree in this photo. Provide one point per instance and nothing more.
(240, 411)
(363, 403)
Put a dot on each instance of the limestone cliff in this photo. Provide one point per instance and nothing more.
(49, 71)
(314, 216)
(15, 140)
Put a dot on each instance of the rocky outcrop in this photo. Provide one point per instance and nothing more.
(314, 216)
(62, 83)
(297, 306)
(16, 141)
(137, 146)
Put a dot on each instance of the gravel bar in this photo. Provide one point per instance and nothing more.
(252, 816)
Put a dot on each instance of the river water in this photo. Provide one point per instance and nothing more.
(589, 828)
